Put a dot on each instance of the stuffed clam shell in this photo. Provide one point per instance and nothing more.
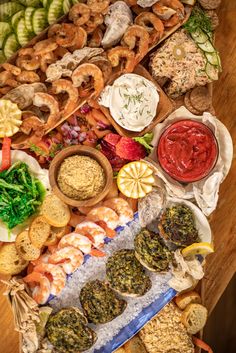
(100, 303)
(150, 251)
(126, 275)
(68, 332)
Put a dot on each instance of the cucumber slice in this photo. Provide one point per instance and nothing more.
(39, 20)
(199, 36)
(66, 5)
(5, 29)
(45, 3)
(54, 11)
(28, 18)
(8, 9)
(16, 17)
(206, 47)
(212, 72)
(2, 57)
(10, 45)
(23, 35)
(33, 3)
(212, 58)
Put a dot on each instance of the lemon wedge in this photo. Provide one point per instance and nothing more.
(198, 249)
(10, 118)
(135, 179)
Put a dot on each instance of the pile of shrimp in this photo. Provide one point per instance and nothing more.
(47, 275)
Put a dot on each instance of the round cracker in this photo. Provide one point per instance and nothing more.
(189, 105)
(10, 261)
(209, 4)
(200, 99)
(214, 18)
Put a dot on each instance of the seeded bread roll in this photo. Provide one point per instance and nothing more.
(194, 318)
(25, 248)
(39, 231)
(10, 261)
(183, 300)
(56, 212)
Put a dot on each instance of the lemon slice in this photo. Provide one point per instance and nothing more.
(198, 249)
(135, 179)
(10, 118)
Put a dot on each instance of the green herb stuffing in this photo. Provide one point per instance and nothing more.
(145, 141)
(198, 20)
(20, 194)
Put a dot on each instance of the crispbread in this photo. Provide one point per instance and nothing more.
(183, 300)
(188, 104)
(194, 318)
(10, 261)
(212, 14)
(135, 345)
(209, 4)
(39, 231)
(25, 248)
(55, 211)
(200, 99)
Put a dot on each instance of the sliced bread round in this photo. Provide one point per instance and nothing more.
(183, 300)
(25, 248)
(39, 231)
(55, 211)
(10, 261)
(194, 318)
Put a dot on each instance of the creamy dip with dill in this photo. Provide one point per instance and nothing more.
(132, 100)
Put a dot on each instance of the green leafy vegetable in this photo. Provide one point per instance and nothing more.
(198, 20)
(20, 194)
(145, 140)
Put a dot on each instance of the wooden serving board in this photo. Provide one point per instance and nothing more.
(165, 107)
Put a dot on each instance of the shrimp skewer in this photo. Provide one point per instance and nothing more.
(40, 292)
(56, 273)
(68, 257)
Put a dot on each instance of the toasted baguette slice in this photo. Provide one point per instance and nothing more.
(56, 212)
(183, 300)
(25, 248)
(10, 261)
(194, 318)
(135, 345)
(39, 231)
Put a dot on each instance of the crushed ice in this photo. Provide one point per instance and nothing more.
(95, 269)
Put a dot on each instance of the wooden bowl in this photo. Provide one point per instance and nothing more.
(81, 151)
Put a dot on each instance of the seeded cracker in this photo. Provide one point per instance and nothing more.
(213, 17)
(209, 4)
(200, 99)
(189, 105)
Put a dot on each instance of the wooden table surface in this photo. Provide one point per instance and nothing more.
(222, 264)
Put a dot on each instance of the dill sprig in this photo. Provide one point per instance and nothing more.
(198, 20)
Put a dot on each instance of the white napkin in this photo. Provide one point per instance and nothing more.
(205, 191)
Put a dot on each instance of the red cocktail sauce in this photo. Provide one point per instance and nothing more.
(187, 151)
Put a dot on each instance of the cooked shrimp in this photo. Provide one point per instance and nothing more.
(84, 72)
(96, 38)
(116, 54)
(122, 208)
(69, 259)
(4, 90)
(99, 116)
(45, 46)
(42, 259)
(81, 39)
(41, 292)
(152, 24)
(94, 232)
(28, 77)
(66, 86)
(137, 36)
(79, 14)
(31, 122)
(104, 65)
(7, 79)
(46, 60)
(56, 273)
(131, 2)
(104, 214)
(28, 61)
(45, 99)
(12, 69)
(59, 52)
(170, 11)
(53, 29)
(94, 21)
(76, 240)
(138, 9)
(66, 35)
(76, 219)
(98, 6)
